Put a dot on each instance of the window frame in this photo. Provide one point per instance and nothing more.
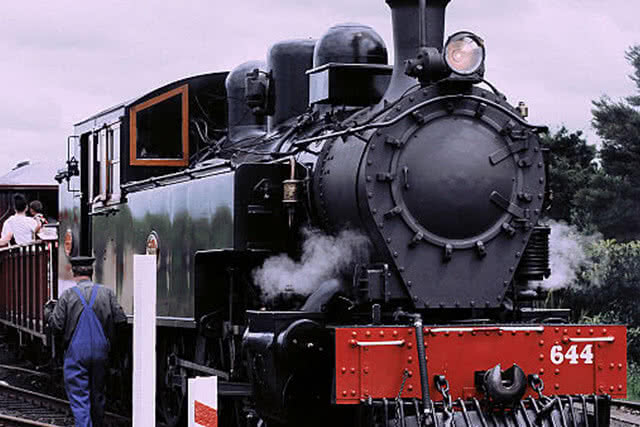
(96, 165)
(103, 145)
(113, 162)
(133, 131)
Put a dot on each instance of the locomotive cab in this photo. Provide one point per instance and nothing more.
(118, 152)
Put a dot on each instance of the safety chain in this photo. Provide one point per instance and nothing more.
(405, 376)
(442, 385)
(537, 385)
(547, 402)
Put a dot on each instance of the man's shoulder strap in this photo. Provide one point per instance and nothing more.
(94, 292)
(92, 298)
(79, 293)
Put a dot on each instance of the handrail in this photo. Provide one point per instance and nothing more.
(24, 245)
(33, 242)
(27, 280)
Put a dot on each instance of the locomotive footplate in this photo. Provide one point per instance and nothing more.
(376, 363)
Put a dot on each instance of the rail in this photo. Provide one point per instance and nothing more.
(27, 281)
(55, 411)
(9, 421)
(625, 413)
(630, 404)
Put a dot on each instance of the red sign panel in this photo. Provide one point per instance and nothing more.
(205, 415)
(570, 359)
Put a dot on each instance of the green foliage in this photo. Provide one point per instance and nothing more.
(612, 198)
(618, 124)
(633, 56)
(570, 169)
(609, 204)
(633, 381)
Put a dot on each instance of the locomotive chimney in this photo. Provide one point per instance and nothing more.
(416, 24)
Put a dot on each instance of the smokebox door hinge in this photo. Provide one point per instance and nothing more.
(505, 204)
(501, 154)
(385, 177)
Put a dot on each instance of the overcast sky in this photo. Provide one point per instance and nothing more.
(62, 61)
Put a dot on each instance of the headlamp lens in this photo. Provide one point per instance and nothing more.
(464, 53)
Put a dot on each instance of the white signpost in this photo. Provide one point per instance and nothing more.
(203, 402)
(144, 340)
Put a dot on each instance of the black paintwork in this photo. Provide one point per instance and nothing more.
(207, 104)
(287, 61)
(243, 124)
(350, 44)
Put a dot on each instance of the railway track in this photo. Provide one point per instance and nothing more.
(21, 407)
(9, 421)
(23, 370)
(625, 413)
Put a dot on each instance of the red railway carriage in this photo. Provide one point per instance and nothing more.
(28, 273)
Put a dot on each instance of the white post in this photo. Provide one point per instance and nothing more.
(203, 402)
(144, 340)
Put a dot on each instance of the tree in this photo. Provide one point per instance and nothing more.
(612, 198)
(570, 169)
(607, 204)
(633, 56)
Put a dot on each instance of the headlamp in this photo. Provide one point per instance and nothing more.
(464, 53)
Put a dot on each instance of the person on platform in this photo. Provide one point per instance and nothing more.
(87, 315)
(19, 226)
(36, 211)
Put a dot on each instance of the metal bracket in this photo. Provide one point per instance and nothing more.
(174, 361)
(385, 177)
(106, 212)
(395, 142)
(501, 154)
(505, 204)
(371, 281)
(393, 212)
(525, 162)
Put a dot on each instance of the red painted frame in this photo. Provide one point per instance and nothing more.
(370, 361)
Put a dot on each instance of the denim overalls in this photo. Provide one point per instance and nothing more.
(84, 366)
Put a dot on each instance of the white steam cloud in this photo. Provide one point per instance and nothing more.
(567, 254)
(323, 257)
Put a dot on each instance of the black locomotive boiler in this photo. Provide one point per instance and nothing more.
(424, 182)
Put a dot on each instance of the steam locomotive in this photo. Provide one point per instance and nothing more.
(426, 188)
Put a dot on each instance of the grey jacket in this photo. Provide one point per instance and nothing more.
(65, 315)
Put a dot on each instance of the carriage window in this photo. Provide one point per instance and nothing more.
(159, 130)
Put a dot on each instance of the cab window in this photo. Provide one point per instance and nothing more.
(159, 132)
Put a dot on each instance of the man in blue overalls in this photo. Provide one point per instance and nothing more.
(87, 315)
